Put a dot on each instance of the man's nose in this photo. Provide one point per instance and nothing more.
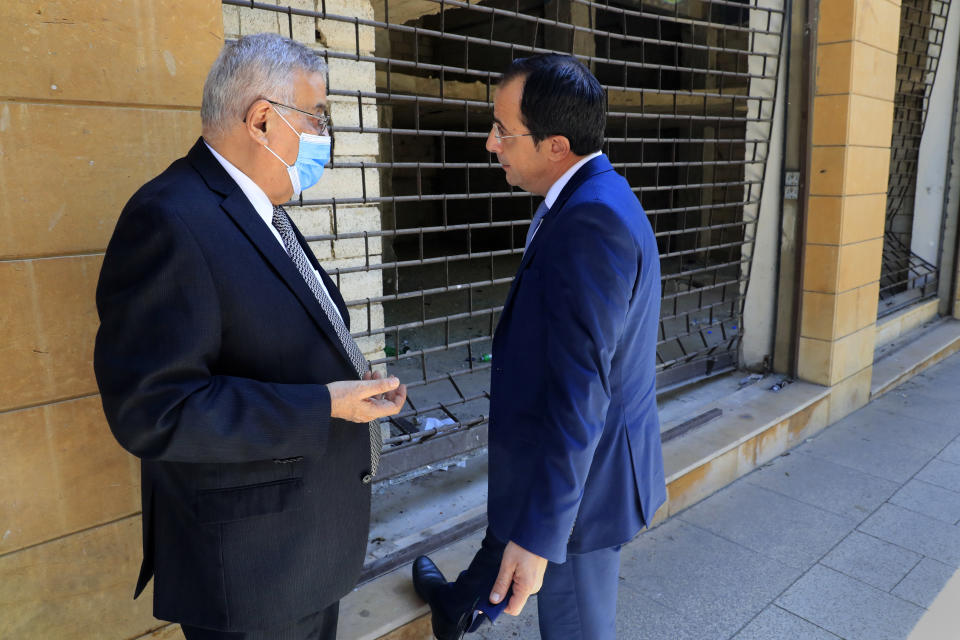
(492, 143)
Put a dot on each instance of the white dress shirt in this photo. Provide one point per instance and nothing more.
(562, 181)
(554, 191)
(264, 208)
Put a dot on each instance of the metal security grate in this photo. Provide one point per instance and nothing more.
(907, 278)
(691, 87)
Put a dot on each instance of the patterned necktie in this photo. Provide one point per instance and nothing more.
(299, 257)
(541, 211)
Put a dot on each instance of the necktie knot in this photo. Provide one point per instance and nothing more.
(280, 218)
(541, 211)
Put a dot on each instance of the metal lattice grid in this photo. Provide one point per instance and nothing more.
(691, 86)
(907, 278)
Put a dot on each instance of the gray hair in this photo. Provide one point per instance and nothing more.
(262, 65)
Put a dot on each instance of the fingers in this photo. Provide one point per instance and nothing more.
(373, 375)
(381, 407)
(369, 388)
(522, 571)
(359, 401)
(517, 602)
(398, 396)
(503, 581)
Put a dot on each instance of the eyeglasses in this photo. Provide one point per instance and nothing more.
(499, 135)
(323, 120)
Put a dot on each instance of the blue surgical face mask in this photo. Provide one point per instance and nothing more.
(312, 156)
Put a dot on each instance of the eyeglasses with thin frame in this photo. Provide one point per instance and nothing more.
(499, 135)
(323, 120)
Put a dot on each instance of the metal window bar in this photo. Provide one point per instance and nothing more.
(691, 86)
(906, 278)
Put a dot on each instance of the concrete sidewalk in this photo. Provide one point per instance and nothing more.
(852, 535)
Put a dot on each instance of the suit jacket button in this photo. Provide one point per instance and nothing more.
(366, 479)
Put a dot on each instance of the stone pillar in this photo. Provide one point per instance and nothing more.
(852, 122)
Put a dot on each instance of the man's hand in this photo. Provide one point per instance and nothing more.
(524, 571)
(368, 399)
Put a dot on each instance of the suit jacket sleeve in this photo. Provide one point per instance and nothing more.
(159, 338)
(589, 265)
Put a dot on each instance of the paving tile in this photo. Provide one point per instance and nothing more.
(774, 623)
(640, 618)
(943, 474)
(951, 453)
(929, 500)
(851, 448)
(868, 559)
(782, 528)
(821, 483)
(915, 531)
(924, 583)
(924, 403)
(849, 608)
(878, 422)
(718, 586)
(526, 625)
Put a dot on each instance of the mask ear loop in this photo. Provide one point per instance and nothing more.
(280, 115)
(292, 129)
(276, 156)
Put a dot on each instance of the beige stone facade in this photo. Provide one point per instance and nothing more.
(96, 98)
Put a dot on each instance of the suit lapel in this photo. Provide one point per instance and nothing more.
(238, 207)
(597, 165)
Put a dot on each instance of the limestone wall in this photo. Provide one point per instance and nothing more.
(95, 99)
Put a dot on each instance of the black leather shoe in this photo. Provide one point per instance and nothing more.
(427, 580)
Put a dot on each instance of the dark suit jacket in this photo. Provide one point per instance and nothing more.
(211, 358)
(574, 438)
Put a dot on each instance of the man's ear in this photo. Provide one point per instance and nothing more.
(559, 148)
(256, 120)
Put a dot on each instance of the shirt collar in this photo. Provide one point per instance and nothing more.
(558, 186)
(257, 197)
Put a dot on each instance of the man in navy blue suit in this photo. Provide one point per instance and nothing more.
(225, 363)
(576, 468)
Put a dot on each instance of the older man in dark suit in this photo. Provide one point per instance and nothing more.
(225, 363)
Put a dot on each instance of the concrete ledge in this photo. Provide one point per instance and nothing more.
(756, 426)
(892, 327)
(920, 351)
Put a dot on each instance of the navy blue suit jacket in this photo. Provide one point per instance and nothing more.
(211, 358)
(574, 438)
